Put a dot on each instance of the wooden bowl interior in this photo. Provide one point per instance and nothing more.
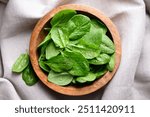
(39, 34)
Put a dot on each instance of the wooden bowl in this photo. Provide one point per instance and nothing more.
(38, 35)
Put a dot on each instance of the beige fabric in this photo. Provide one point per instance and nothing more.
(133, 76)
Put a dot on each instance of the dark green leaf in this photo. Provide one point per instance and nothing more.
(44, 66)
(21, 63)
(29, 76)
(61, 79)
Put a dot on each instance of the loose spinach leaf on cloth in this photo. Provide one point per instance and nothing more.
(61, 79)
(62, 17)
(21, 63)
(29, 76)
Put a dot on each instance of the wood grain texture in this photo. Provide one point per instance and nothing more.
(38, 35)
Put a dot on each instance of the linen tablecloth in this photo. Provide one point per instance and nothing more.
(132, 80)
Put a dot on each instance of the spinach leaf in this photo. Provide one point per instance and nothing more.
(89, 77)
(108, 42)
(80, 65)
(111, 63)
(61, 79)
(29, 76)
(21, 63)
(101, 72)
(92, 39)
(105, 49)
(78, 26)
(42, 56)
(59, 63)
(62, 17)
(44, 66)
(59, 36)
(100, 60)
(97, 24)
(88, 53)
(51, 50)
(46, 40)
(88, 45)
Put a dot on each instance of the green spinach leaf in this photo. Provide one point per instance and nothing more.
(29, 76)
(80, 65)
(97, 24)
(61, 79)
(78, 26)
(100, 60)
(21, 63)
(111, 64)
(51, 50)
(59, 63)
(59, 36)
(62, 17)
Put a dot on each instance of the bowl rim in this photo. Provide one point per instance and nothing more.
(71, 90)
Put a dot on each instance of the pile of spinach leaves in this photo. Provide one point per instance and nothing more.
(76, 49)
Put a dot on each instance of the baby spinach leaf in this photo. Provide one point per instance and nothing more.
(101, 72)
(59, 63)
(51, 50)
(100, 60)
(89, 77)
(97, 24)
(59, 36)
(44, 66)
(108, 42)
(92, 39)
(21, 63)
(80, 65)
(46, 40)
(105, 49)
(42, 56)
(61, 79)
(62, 17)
(88, 53)
(111, 64)
(78, 26)
(29, 76)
